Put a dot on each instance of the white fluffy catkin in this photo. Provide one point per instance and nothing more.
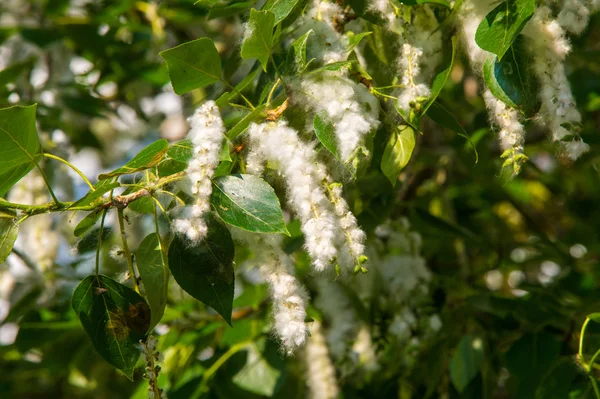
(206, 134)
(574, 15)
(550, 46)
(325, 44)
(320, 373)
(349, 106)
(507, 119)
(420, 54)
(289, 297)
(296, 162)
(343, 323)
(352, 244)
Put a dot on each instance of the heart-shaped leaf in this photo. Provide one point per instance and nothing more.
(193, 65)
(248, 202)
(205, 270)
(115, 318)
(258, 39)
(19, 144)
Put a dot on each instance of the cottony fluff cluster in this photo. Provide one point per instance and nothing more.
(419, 56)
(289, 297)
(320, 373)
(550, 45)
(349, 106)
(328, 230)
(506, 119)
(574, 15)
(206, 134)
(337, 309)
(325, 44)
(420, 49)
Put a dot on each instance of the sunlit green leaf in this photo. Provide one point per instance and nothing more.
(500, 27)
(9, 230)
(146, 158)
(258, 39)
(248, 202)
(101, 188)
(280, 8)
(193, 65)
(19, 144)
(86, 223)
(325, 132)
(397, 152)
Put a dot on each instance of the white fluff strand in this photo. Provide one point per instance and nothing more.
(505, 118)
(550, 47)
(320, 373)
(349, 106)
(206, 134)
(289, 297)
(297, 163)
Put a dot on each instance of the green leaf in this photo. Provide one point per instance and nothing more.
(354, 40)
(415, 2)
(193, 65)
(280, 8)
(258, 374)
(258, 39)
(233, 8)
(397, 152)
(299, 47)
(325, 132)
(145, 159)
(510, 80)
(228, 97)
(19, 144)
(87, 223)
(9, 230)
(89, 242)
(594, 317)
(497, 31)
(115, 318)
(101, 188)
(445, 118)
(205, 270)
(442, 77)
(248, 202)
(333, 66)
(154, 274)
(13, 175)
(466, 362)
(528, 360)
(13, 71)
(557, 382)
(177, 158)
(256, 115)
